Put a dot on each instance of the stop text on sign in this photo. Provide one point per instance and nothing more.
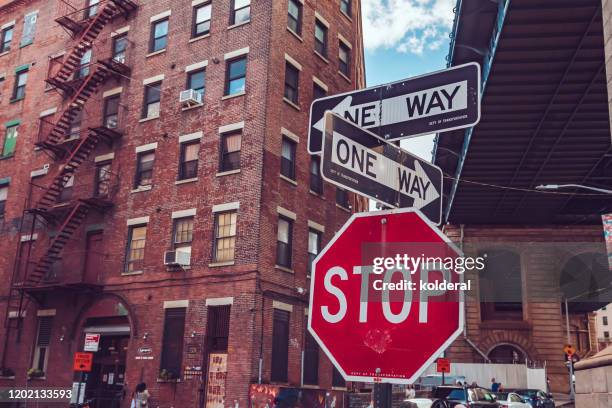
(426, 292)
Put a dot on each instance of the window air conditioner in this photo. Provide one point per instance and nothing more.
(189, 98)
(177, 258)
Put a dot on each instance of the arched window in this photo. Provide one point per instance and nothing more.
(506, 354)
(501, 289)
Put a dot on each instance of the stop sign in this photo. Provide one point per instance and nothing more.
(385, 298)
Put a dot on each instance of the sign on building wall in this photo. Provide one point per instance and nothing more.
(607, 227)
(215, 384)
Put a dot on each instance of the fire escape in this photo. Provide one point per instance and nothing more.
(77, 82)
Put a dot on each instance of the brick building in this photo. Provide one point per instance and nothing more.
(155, 188)
(545, 120)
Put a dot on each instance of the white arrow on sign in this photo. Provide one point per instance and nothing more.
(370, 164)
(428, 102)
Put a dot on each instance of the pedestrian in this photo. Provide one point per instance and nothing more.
(500, 388)
(474, 384)
(410, 392)
(140, 398)
(494, 385)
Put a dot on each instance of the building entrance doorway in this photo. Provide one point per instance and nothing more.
(105, 384)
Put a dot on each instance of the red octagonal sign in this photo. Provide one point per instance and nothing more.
(386, 296)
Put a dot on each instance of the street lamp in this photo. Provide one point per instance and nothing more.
(548, 187)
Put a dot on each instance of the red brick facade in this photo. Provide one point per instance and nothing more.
(252, 283)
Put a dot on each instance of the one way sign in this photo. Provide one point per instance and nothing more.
(440, 101)
(360, 161)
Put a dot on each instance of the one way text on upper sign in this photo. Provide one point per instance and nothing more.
(440, 101)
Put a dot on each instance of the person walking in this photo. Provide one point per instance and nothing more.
(141, 396)
(494, 385)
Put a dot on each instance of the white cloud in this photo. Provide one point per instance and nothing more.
(408, 26)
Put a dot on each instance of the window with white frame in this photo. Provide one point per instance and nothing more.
(225, 236)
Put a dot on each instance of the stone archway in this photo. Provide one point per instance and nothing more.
(505, 353)
(107, 305)
(509, 340)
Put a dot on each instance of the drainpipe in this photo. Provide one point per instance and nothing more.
(465, 335)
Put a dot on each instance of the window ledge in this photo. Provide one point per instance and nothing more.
(4, 53)
(185, 181)
(148, 119)
(194, 39)
(284, 269)
(26, 44)
(8, 156)
(345, 77)
(320, 195)
(339, 388)
(141, 189)
(177, 380)
(239, 24)
(199, 105)
(292, 104)
(227, 173)
(296, 35)
(322, 57)
(13, 100)
(154, 53)
(132, 273)
(241, 93)
(287, 179)
(218, 264)
(349, 18)
(37, 378)
(348, 210)
(12, 377)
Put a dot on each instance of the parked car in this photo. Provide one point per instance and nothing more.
(420, 402)
(537, 398)
(511, 400)
(469, 397)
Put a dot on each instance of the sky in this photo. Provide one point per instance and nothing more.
(405, 38)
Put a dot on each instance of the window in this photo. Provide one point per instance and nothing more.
(316, 181)
(196, 80)
(292, 82)
(201, 20)
(345, 7)
(225, 236)
(241, 11)
(144, 169)
(137, 236)
(74, 128)
(288, 158)
(120, 44)
(235, 81)
(43, 340)
(280, 346)
(311, 360)
(10, 140)
(20, 84)
(159, 35)
(188, 167)
(84, 65)
(318, 92)
(342, 198)
(92, 8)
(294, 16)
(344, 59)
(3, 197)
(606, 335)
(314, 246)
(604, 320)
(111, 112)
(172, 343)
(217, 328)
(6, 36)
(337, 379)
(321, 38)
(102, 179)
(230, 151)
(29, 29)
(152, 98)
(67, 189)
(284, 241)
(183, 234)
(501, 286)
